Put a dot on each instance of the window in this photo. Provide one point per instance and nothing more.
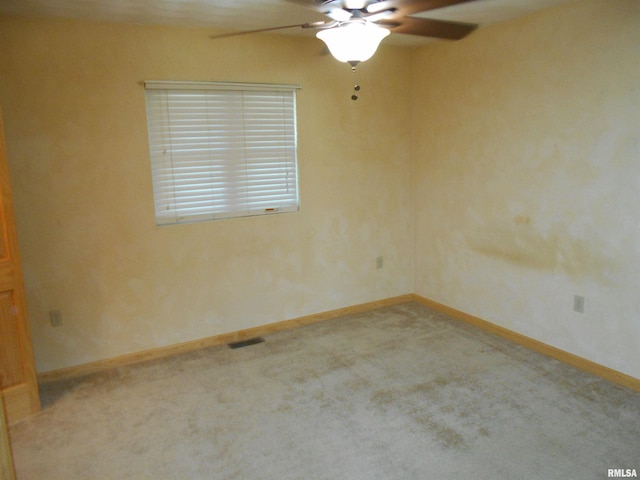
(221, 150)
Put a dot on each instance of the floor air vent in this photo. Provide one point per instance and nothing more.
(246, 343)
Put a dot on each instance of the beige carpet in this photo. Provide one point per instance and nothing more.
(398, 393)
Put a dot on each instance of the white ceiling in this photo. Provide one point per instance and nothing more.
(241, 15)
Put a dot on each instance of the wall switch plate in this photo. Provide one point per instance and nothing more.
(379, 262)
(578, 303)
(55, 317)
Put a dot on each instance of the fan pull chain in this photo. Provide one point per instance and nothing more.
(356, 87)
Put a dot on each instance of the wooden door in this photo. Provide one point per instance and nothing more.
(6, 460)
(19, 385)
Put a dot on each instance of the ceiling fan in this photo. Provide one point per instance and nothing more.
(355, 28)
(392, 15)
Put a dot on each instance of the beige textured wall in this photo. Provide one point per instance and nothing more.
(76, 137)
(527, 146)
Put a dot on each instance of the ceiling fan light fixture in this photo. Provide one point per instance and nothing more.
(354, 41)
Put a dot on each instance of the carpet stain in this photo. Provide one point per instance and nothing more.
(383, 398)
(417, 408)
(425, 388)
(451, 409)
(285, 408)
(445, 435)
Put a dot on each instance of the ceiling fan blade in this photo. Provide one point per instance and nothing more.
(318, 5)
(427, 27)
(408, 7)
(381, 15)
(320, 25)
(269, 29)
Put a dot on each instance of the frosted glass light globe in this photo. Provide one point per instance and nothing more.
(353, 42)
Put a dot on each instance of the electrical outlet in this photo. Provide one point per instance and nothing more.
(578, 303)
(379, 263)
(55, 317)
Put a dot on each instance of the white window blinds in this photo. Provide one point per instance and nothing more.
(221, 150)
